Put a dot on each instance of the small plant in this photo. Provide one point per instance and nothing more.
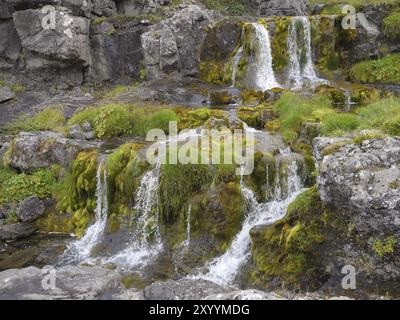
(384, 247)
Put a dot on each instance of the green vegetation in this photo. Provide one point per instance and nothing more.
(48, 119)
(291, 249)
(391, 26)
(117, 120)
(294, 109)
(384, 247)
(15, 187)
(15, 87)
(382, 115)
(384, 70)
(230, 7)
(75, 194)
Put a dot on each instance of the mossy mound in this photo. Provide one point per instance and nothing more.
(194, 118)
(292, 249)
(76, 193)
(208, 198)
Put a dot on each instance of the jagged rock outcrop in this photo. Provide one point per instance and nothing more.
(364, 181)
(280, 7)
(67, 44)
(173, 45)
(30, 151)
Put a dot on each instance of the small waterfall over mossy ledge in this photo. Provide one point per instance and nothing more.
(224, 269)
(146, 241)
(301, 72)
(252, 63)
(80, 250)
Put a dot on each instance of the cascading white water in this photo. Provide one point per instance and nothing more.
(264, 76)
(186, 243)
(146, 240)
(80, 250)
(235, 64)
(223, 269)
(301, 67)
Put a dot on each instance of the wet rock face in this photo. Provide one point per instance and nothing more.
(30, 151)
(280, 7)
(364, 181)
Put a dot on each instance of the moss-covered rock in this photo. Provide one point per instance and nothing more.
(76, 194)
(335, 95)
(291, 249)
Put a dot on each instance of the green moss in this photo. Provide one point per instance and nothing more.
(194, 118)
(384, 247)
(112, 120)
(124, 170)
(48, 119)
(86, 115)
(76, 192)
(262, 180)
(280, 56)
(289, 249)
(213, 72)
(230, 7)
(178, 182)
(363, 95)
(335, 95)
(391, 25)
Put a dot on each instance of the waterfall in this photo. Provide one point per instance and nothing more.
(301, 68)
(80, 250)
(186, 243)
(146, 239)
(264, 76)
(223, 270)
(235, 64)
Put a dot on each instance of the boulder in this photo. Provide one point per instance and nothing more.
(71, 282)
(30, 209)
(16, 231)
(6, 94)
(64, 46)
(30, 151)
(76, 132)
(183, 289)
(363, 180)
(321, 144)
